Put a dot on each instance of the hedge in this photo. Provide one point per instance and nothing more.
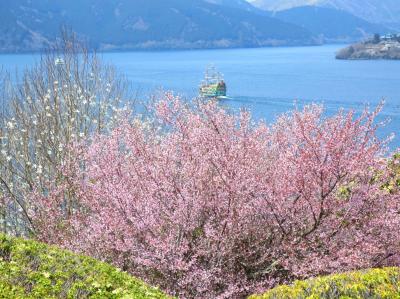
(29, 269)
(375, 283)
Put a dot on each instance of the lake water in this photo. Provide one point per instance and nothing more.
(268, 81)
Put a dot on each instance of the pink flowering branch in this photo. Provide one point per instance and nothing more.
(214, 206)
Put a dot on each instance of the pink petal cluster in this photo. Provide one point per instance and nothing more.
(216, 206)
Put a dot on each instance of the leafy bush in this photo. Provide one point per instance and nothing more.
(30, 269)
(216, 206)
(392, 184)
(376, 283)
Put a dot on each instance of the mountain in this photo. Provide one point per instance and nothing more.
(241, 4)
(330, 24)
(29, 25)
(385, 12)
(277, 5)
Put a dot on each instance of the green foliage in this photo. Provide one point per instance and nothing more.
(30, 269)
(392, 183)
(388, 178)
(376, 283)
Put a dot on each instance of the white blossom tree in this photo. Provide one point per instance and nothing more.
(66, 96)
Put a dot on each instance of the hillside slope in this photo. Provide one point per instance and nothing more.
(331, 24)
(385, 12)
(143, 24)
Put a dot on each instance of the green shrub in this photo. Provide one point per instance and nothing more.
(377, 283)
(30, 269)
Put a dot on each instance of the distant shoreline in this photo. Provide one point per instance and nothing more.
(166, 50)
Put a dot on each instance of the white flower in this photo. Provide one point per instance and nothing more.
(10, 125)
(39, 170)
(81, 134)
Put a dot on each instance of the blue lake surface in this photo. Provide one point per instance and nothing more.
(268, 81)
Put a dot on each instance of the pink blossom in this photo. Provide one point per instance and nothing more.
(217, 207)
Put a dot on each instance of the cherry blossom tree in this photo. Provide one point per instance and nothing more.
(209, 204)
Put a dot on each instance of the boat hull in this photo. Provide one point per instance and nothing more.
(213, 91)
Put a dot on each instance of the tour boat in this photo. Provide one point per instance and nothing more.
(213, 85)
